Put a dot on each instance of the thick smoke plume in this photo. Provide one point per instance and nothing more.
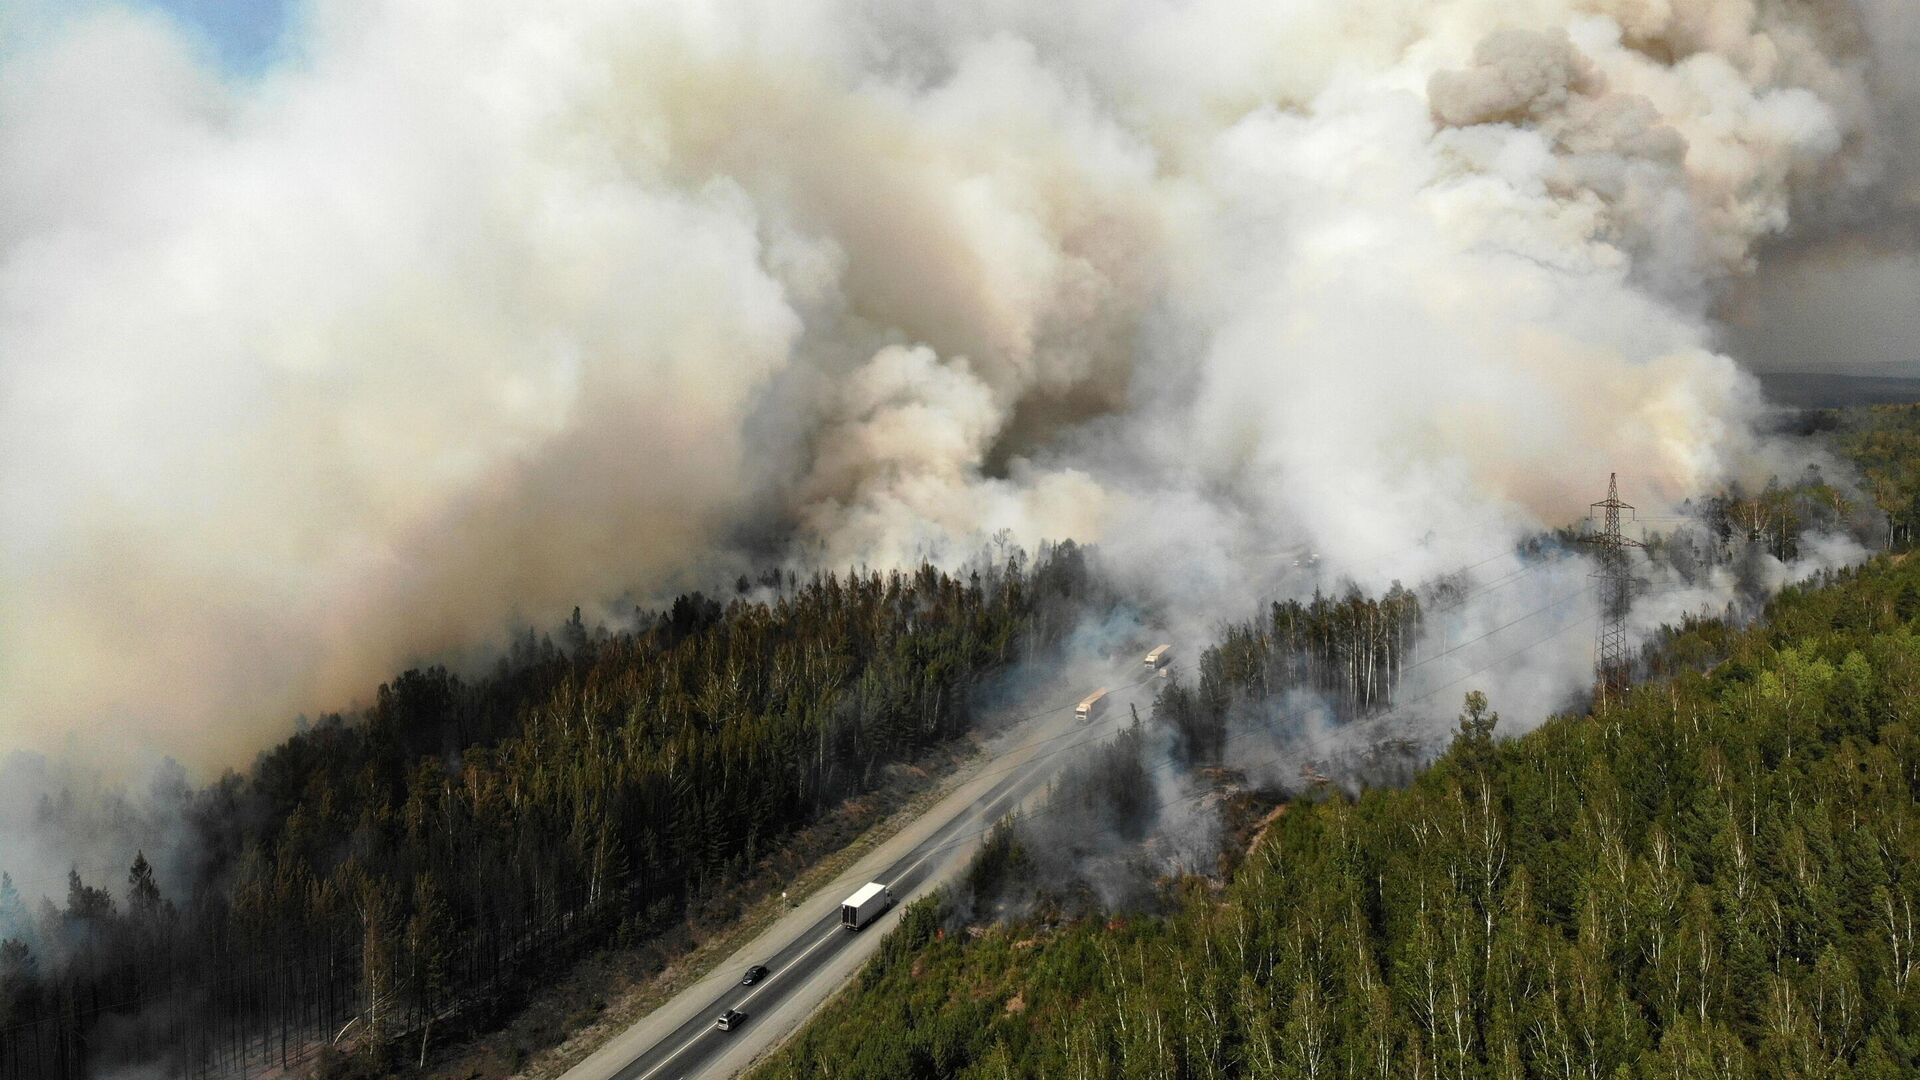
(473, 311)
(1838, 292)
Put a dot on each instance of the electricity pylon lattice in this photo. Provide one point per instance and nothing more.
(1611, 666)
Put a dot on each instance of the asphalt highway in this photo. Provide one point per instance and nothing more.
(690, 1048)
(808, 954)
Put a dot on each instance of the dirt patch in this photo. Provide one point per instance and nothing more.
(606, 992)
(1260, 830)
(1247, 814)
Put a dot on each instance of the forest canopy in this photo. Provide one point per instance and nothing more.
(1716, 877)
(429, 860)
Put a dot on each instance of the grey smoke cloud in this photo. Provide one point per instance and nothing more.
(475, 312)
(1841, 292)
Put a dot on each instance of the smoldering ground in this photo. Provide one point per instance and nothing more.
(1279, 712)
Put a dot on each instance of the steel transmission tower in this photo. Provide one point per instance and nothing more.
(1611, 668)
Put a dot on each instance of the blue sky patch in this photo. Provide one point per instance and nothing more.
(247, 35)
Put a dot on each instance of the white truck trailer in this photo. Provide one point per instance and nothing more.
(1091, 706)
(865, 905)
(1159, 658)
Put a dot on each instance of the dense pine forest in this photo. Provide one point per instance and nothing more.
(1349, 653)
(422, 864)
(1883, 442)
(1717, 877)
(394, 879)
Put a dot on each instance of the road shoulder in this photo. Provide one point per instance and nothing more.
(607, 992)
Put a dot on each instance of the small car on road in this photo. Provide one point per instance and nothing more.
(754, 974)
(730, 1019)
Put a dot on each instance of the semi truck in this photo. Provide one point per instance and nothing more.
(865, 905)
(1091, 706)
(1160, 657)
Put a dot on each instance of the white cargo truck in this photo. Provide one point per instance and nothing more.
(1091, 707)
(1159, 658)
(865, 905)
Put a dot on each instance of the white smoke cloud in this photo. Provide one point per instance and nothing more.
(476, 311)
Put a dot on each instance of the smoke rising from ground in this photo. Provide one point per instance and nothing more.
(472, 312)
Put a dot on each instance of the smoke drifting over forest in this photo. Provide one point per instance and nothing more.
(471, 312)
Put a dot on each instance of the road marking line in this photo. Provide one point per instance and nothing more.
(973, 812)
(668, 1060)
(831, 934)
(970, 812)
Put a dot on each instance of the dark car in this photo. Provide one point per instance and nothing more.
(754, 974)
(730, 1019)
